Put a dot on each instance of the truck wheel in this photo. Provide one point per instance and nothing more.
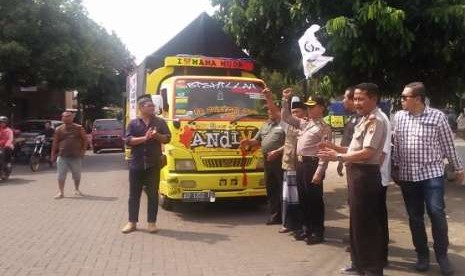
(166, 203)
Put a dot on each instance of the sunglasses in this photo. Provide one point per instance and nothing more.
(405, 97)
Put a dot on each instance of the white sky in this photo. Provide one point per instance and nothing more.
(145, 25)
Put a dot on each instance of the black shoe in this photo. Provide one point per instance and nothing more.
(351, 270)
(315, 239)
(299, 235)
(446, 267)
(273, 221)
(422, 263)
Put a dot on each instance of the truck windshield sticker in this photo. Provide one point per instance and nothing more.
(216, 138)
(228, 98)
(234, 86)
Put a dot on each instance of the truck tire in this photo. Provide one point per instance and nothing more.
(166, 203)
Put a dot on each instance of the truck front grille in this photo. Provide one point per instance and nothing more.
(226, 162)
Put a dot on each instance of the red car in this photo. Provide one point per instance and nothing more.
(107, 134)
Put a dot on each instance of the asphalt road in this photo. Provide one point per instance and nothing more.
(81, 235)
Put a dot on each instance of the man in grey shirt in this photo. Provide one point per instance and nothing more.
(271, 138)
(349, 127)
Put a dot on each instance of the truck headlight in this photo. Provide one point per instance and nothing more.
(184, 165)
(260, 163)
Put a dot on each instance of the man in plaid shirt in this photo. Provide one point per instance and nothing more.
(422, 138)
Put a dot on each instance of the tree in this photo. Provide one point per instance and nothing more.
(53, 43)
(388, 42)
(276, 82)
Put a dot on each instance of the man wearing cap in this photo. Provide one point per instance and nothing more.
(291, 212)
(310, 170)
(368, 220)
(145, 135)
(271, 138)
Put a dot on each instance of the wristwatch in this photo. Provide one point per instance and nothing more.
(339, 157)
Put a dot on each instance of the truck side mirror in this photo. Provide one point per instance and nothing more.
(158, 102)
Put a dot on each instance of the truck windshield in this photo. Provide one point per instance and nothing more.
(224, 99)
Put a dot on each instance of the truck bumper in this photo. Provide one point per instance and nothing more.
(227, 185)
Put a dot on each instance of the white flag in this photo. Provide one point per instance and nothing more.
(312, 52)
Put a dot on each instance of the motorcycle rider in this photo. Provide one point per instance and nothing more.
(6, 139)
(48, 131)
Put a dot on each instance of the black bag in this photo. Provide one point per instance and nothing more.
(163, 161)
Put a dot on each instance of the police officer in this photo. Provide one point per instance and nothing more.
(310, 170)
(366, 192)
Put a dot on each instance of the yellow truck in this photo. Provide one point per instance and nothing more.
(210, 105)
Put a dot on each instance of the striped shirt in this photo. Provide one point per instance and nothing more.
(420, 144)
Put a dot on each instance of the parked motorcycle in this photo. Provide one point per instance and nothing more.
(41, 153)
(5, 169)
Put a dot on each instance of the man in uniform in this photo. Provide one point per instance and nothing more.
(366, 192)
(271, 138)
(310, 170)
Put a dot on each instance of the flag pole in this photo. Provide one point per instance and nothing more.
(305, 88)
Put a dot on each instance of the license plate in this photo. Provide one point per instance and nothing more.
(198, 196)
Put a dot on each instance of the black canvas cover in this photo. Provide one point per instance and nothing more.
(203, 36)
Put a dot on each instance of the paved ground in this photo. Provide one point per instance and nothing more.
(81, 236)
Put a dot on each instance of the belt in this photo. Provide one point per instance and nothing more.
(304, 159)
(363, 165)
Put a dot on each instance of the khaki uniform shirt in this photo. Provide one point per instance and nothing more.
(370, 132)
(311, 133)
(289, 155)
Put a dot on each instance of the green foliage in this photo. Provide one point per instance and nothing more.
(277, 82)
(53, 43)
(389, 42)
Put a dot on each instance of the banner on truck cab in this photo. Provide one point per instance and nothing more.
(132, 97)
(227, 63)
(312, 52)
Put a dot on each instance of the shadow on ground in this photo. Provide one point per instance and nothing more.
(402, 260)
(209, 238)
(15, 181)
(228, 214)
(93, 198)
